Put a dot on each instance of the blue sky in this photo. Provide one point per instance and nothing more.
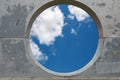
(63, 38)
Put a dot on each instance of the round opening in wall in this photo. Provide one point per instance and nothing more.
(64, 40)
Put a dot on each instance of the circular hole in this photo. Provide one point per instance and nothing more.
(64, 39)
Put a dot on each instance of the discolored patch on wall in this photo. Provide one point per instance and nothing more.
(118, 25)
(13, 24)
(14, 57)
(101, 4)
(108, 16)
(117, 29)
(31, 7)
(112, 52)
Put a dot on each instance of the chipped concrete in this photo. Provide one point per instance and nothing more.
(15, 60)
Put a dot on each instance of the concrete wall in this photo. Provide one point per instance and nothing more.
(15, 60)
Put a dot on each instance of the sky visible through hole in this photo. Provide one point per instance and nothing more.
(63, 38)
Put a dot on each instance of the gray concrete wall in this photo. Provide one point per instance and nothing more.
(15, 60)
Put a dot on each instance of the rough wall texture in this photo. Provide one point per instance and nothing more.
(15, 60)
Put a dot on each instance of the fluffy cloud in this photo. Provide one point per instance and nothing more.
(48, 25)
(36, 52)
(78, 13)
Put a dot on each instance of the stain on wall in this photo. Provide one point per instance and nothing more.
(108, 16)
(101, 4)
(14, 23)
(112, 53)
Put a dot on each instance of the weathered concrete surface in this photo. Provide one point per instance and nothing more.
(15, 15)
(108, 13)
(109, 60)
(15, 60)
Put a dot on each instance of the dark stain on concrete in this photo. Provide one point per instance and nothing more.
(115, 31)
(101, 4)
(118, 25)
(32, 6)
(17, 22)
(108, 16)
(112, 53)
(14, 23)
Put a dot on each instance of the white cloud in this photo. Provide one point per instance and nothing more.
(71, 17)
(53, 51)
(78, 13)
(73, 32)
(48, 25)
(37, 53)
